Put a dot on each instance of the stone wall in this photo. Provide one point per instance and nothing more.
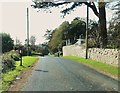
(74, 50)
(109, 56)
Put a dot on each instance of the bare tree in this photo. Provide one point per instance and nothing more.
(32, 40)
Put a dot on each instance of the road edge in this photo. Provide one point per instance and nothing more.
(23, 77)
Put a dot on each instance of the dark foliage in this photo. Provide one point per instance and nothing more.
(7, 42)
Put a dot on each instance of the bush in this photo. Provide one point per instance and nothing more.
(7, 63)
(24, 51)
(14, 54)
(56, 54)
(8, 60)
(21, 47)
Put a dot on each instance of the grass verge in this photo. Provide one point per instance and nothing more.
(8, 77)
(108, 69)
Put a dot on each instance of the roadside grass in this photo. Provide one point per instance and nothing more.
(8, 77)
(112, 70)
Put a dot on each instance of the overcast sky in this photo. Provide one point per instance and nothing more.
(13, 18)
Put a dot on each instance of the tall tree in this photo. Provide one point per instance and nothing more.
(32, 41)
(58, 40)
(78, 27)
(7, 42)
(48, 34)
(114, 27)
(101, 14)
(93, 34)
(102, 24)
(65, 32)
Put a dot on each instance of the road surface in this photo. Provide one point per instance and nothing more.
(59, 74)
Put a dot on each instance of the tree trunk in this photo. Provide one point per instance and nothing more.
(102, 24)
(102, 20)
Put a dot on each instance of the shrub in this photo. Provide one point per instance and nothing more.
(14, 54)
(7, 63)
(8, 60)
(56, 54)
(24, 51)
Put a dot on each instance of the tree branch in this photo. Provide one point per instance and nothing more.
(53, 4)
(67, 10)
(47, 4)
(93, 7)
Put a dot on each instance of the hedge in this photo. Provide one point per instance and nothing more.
(8, 60)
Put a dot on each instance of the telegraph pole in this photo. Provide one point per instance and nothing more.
(87, 33)
(27, 32)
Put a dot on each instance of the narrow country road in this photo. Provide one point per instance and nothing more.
(59, 74)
